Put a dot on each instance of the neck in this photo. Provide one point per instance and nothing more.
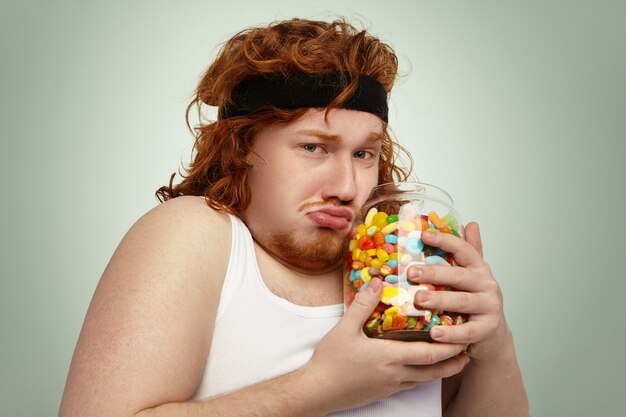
(301, 286)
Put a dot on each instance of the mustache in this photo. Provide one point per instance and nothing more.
(328, 202)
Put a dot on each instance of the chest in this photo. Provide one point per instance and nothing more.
(311, 290)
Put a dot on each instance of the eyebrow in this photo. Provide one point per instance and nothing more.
(372, 137)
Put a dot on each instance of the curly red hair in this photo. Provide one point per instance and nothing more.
(219, 169)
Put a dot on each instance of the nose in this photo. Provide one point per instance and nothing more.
(340, 179)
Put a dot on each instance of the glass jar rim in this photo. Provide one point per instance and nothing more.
(415, 186)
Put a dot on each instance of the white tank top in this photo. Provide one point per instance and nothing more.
(259, 336)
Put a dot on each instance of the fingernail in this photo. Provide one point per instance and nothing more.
(428, 235)
(436, 333)
(416, 272)
(374, 284)
(423, 296)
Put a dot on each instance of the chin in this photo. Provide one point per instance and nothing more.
(323, 249)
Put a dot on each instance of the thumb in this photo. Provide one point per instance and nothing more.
(364, 303)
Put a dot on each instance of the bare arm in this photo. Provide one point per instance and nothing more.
(492, 386)
(147, 331)
(284, 396)
(354, 369)
(147, 334)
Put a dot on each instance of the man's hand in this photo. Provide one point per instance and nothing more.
(477, 292)
(358, 370)
(491, 385)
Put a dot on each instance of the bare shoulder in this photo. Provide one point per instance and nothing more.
(182, 234)
(186, 213)
(147, 332)
(191, 205)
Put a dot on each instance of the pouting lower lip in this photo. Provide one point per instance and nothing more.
(328, 220)
(337, 211)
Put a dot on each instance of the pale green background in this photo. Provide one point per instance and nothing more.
(516, 108)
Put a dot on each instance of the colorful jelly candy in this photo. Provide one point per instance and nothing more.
(383, 246)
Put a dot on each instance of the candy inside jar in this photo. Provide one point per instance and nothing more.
(385, 243)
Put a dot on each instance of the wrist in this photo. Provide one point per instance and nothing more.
(308, 401)
(498, 347)
(329, 389)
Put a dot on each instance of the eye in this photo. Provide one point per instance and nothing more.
(363, 155)
(312, 148)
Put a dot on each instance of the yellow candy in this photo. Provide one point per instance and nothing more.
(395, 297)
(387, 323)
(370, 216)
(371, 252)
(362, 256)
(361, 230)
(394, 256)
(407, 225)
(385, 270)
(389, 293)
(377, 263)
(392, 311)
(390, 228)
(356, 254)
(365, 276)
(380, 219)
(353, 245)
(382, 255)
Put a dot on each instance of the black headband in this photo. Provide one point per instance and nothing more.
(304, 90)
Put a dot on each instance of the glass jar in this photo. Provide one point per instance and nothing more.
(384, 242)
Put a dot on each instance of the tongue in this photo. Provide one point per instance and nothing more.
(326, 220)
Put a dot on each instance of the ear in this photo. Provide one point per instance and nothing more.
(254, 158)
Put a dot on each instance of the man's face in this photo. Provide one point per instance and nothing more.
(308, 179)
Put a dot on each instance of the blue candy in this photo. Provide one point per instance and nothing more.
(392, 279)
(414, 246)
(392, 239)
(434, 260)
(392, 263)
(354, 275)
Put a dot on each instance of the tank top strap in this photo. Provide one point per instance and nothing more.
(241, 262)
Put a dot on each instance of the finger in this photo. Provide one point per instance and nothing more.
(456, 277)
(364, 303)
(472, 235)
(424, 353)
(464, 253)
(470, 332)
(458, 301)
(444, 369)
